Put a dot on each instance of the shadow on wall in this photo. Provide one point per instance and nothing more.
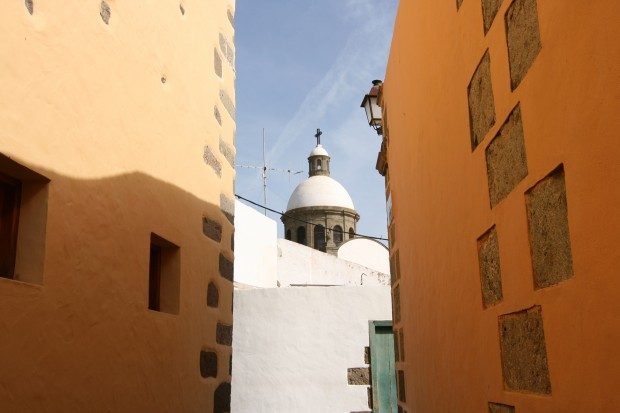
(93, 330)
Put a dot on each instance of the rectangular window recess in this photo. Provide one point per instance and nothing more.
(164, 275)
(23, 219)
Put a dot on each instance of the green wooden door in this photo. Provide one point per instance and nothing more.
(382, 367)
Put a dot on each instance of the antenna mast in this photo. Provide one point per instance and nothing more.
(264, 175)
(264, 168)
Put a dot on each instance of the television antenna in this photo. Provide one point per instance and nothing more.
(264, 169)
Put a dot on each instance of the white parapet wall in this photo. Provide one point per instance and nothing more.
(256, 250)
(299, 265)
(292, 347)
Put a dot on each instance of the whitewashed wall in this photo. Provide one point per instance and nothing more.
(256, 251)
(301, 265)
(292, 347)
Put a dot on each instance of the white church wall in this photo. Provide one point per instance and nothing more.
(299, 265)
(256, 248)
(292, 347)
(366, 252)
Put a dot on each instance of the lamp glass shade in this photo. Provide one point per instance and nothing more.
(373, 110)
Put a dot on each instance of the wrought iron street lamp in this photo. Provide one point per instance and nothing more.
(372, 108)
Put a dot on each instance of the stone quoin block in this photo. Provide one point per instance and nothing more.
(480, 100)
(396, 345)
(500, 408)
(506, 159)
(227, 206)
(29, 6)
(212, 229)
(223, 334)
(105, 12)
(524, 352)
(217, 115)
(210, 159)
(227, 50)
(395, 266)
(231, 17)
(490, 271)
(392, 237)
(213, 295)
(401, 386)
(228, 152)
(217, 63)
(396, 303)
(358, 375)
(547, 213)
(221, 399)
(226, 268)
(208, 364)
(523, 38)
(489, 11)
(228, 103)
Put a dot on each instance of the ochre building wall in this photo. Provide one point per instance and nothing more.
(127, 110)
(503, 171)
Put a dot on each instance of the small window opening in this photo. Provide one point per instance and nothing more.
(338, 238)
(23, 218)
(301, 235)
(351, 233)
(288, 234)
(164, 276)
(319, 238)
(319, 164)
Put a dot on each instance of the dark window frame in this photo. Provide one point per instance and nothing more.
(10, 203)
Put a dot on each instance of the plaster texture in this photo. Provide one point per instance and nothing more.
(292, 348)
(564, 58)
(256, 248)
(114, 114)
(299, 265)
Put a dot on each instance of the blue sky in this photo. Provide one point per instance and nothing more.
(303, 65)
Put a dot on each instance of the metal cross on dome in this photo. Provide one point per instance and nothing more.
(318, 136)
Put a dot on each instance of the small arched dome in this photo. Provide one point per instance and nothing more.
(318, 150)
(366, 252)
(320, 190)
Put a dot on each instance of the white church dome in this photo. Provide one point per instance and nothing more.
(318, 150)
(320, 190)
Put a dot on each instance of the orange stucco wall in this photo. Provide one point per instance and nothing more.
(117, 116)
(569, 104)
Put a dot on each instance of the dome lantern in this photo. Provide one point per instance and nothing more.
(318, 160)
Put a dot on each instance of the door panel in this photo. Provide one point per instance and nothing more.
(382, 367)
